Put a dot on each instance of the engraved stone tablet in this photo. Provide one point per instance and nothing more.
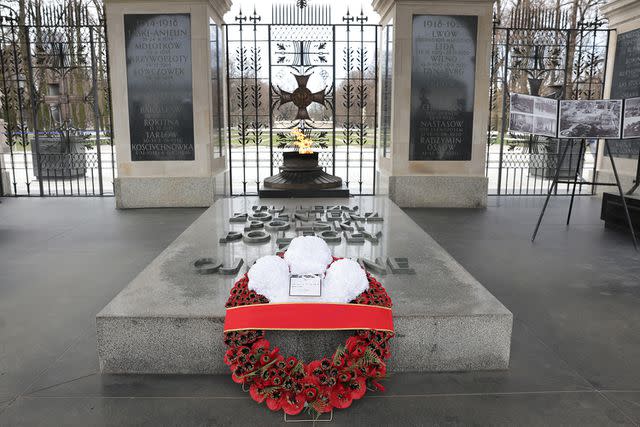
(442, 87)
(625, 83)
(158, 52)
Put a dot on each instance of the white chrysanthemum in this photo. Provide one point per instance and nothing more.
(344, 281)
(308, 255)
(269, 276)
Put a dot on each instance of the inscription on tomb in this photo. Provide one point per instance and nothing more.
(334, 224)
(625, 83)
(442, 87)
(158, 53)
(626, 66)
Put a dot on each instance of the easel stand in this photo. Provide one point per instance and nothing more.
(556, 181)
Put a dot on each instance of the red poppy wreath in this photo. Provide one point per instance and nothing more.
(285, 382)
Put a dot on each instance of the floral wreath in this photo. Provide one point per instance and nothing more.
(289, 384)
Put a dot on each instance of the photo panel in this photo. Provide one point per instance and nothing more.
(521, 123)
(545, 114)
(631, 123)
(522, 103)
(545, 126)
(590, 118)
(533, 114)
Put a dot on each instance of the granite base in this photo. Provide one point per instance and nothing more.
(164, 192)
(438, 191)
(270, 193)
(169, 319)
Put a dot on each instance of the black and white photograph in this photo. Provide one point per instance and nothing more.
(545, 113)
(546, 107)
(631, 127)
(533, 114)
(522, 103)
(521, 123)
(590, 118)
(544, 126)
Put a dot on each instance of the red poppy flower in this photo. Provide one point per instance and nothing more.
(291, 362)
(238, 379)
(275, 401)
(358, 387)
(340, 397)
(256, 393)
(312, 367)
(292, 404)
(352, 343)
(260, 344)
(344, 377)
(310, 393)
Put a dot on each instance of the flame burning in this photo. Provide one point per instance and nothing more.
(303, 143)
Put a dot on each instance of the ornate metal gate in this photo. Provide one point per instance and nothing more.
(539, 53)
(301, 71)
(55, 103)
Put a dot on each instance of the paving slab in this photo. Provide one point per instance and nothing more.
(169, 318)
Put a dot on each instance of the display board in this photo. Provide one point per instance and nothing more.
(442, 87)
(590, 118)
(533, 114)
(159, 85)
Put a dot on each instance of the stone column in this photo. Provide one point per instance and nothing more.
(622, 79)
(164, 101)
(438, 132)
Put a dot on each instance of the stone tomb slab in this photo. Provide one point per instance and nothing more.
(169, 319)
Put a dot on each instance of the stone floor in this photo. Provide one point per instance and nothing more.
(575, 295)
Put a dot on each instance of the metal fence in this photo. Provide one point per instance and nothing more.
(301, 71)
(54, 91)
(539, 53)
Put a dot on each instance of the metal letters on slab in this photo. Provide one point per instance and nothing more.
(277, 225)
(232, 269)
(376, 266)
(442, 87)
(231, 237)
(256, 236)
(158, 52)
(400, 266)
(207, 265)
(330, 236)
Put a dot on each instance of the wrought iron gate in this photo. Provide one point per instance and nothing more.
(54, 90)
(301, 71)
(538, 52)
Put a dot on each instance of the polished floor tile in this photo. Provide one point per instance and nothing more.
(568, 409)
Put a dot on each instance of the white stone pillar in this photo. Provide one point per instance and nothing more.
(190, 180)
(624, 18)
(435, 183)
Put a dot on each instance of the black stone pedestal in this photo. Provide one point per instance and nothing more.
(342, 191)
(301, 176)
(612, 212)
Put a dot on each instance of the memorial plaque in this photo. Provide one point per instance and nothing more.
(625, 83)
(442, 87)
(158, 52)
(626, 66)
